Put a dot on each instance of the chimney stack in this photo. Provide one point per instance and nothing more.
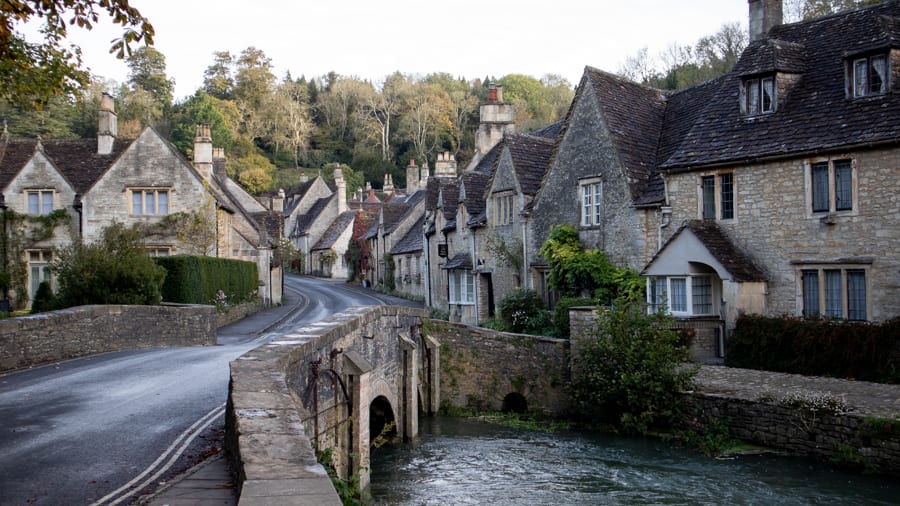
(341, 189)
(303, 177)
(203, 151)
(278, 202)
(412, 177)
(445, 165)
(764, 14)
(107, 128)
(423, 179)
(218, 161)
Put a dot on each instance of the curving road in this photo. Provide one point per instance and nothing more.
(100, 429)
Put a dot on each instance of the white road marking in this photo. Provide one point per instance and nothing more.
(184, 439)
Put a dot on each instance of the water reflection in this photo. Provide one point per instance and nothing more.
(459, 461)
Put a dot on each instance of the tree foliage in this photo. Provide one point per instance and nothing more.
(576, 272)
(628, 369)
(114, 270)
(37, 71)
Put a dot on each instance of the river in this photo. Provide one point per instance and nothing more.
(458, 461)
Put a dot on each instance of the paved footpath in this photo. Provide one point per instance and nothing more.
(869, 399)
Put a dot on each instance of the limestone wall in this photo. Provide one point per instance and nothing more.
(851, 438)
(480, 367)
(85, 330)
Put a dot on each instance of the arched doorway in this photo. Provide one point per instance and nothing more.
(382, 423)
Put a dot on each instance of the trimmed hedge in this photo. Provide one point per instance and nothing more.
(197, 280)
(818, 347)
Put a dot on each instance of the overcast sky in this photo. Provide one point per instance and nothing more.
(373, 38)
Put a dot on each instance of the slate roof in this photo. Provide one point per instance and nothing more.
(475, 184)
(815, 115)
(489, 160)
(408, 204)
(412, 241)
(719, 246)
(337, 227)
(459, 261)
(551, 131)
(305, 221)
(531, 158)
(76, 159)
(449, 186)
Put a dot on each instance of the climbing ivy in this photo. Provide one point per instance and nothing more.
(23, 232)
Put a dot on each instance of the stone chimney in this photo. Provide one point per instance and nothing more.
(445, 165)
(303, 177)
(388, 186)
(423, 180)
(371, 197)
(764, 14)
(412, 177)
(218, 163)
(107, 127)
(278, 201)
(203, 151)
(496, 119)
(341, 189)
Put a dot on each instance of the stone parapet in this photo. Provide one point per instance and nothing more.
(42, 338)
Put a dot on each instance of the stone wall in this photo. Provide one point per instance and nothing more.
(85, 330)
(480, 367)
(850, 439)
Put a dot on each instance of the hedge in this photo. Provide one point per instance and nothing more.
(198, 279)
(817, 347)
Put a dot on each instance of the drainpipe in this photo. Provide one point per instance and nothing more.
(76, 204)
(525, 281)
(476, 273)
(665, 217)
(427, 243)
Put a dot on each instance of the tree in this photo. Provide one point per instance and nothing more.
(218, 79)
(114, 270)
(203, 109)
(37, 71)
(801, 10)
(255, 172)
(196, 230)
(381, 108)
(150, 97)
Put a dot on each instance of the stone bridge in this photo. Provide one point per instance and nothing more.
(358, 378)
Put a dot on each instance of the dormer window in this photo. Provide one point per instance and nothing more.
(758, 96)
(869, 76)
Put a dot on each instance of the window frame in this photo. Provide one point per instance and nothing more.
(143, 192)
(683, 304)
(42, 263)
(716, 196)
(759, 95)
(456, 279)
(831, 186)
(42, 196)
(836, 292)
(860, 76)
(159, 251)
(590, 202)
(504, 207)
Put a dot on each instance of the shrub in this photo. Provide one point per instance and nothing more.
(629, 370)
(207, 280)
(523, 311)
(115, 270)
(817, 347)
(44, 299)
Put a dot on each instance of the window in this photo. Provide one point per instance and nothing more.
(462, 287)
(869, 76)
(591, 203)
(758, 96)
(149, 201)
(833, 293)
(159, 251)
(681, 295)
(831, 186)
(38, 270)
(717, 196)
(40, 202)
(505, 207)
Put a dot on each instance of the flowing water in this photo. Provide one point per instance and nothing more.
(462, 461)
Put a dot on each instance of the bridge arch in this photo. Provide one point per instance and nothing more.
(382, 422)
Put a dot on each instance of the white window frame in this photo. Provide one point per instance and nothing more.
(590, 198)
(659, 288)
(827, 302)
(157, 210)
(835, 167)
(861, 72)
(462, 287)
(159, 251)
(44, 199)
(38, 263)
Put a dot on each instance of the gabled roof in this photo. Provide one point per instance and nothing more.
(531, 158)
(475, 184)
(408, 205)
(550, 131)
(412, 241)
(489, 160)
(337, 227)
(448, 189)
(719, 246)
(305, 221)
(816, 114)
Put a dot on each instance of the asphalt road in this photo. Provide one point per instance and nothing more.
(97, 430)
